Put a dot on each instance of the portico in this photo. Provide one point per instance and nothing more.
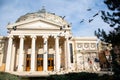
(37, 53)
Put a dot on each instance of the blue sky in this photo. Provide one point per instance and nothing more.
(74, 10)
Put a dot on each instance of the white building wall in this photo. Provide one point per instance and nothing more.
(86, 53)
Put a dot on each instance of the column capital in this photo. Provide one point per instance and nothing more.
(56, 37)
(21, 36)
(33, 36)
(10, 36)
(68, 37)
(45, 36)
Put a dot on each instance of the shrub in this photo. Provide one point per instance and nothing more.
(74, 76)
(7, 76)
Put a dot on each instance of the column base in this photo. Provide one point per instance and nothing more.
(45, 70)
(32, 70)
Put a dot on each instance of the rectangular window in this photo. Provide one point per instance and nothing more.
(71, 53)
(39, 55)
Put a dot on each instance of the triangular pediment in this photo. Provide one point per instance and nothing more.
(36, 24)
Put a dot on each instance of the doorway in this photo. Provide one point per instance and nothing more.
(28, 61)
(39, 62)
(50, 62)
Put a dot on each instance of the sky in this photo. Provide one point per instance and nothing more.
(74, 11)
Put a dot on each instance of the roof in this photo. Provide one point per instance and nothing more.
(44, 15)
(85, 38)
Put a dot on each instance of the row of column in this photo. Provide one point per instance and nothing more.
(33, 60)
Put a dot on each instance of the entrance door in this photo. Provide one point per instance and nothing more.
(39, 62)
(50, 62)
(28, 61)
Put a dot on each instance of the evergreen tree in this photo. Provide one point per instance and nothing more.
(113, 37)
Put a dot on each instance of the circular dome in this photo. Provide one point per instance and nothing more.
(44, 15)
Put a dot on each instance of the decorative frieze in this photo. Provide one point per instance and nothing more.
(86, 45)
(80, 45)
(89, 46)
(93, 45)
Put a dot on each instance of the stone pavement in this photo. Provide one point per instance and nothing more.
(48, 73)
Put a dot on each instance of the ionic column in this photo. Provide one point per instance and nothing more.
(33, 57)
(57, 55)
(45, 55)
(21, 54)
(9, 51)
(13, 57)
(68, 53)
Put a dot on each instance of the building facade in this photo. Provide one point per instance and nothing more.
(43, 42)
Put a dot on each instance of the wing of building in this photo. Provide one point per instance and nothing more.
(43, 42)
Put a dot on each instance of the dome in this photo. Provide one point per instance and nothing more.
(44, 15)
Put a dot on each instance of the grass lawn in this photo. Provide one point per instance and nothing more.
(70, 76)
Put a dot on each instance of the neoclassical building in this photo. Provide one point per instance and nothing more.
(43, 42)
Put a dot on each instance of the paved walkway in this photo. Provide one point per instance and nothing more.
(48, 73)
(41, 73)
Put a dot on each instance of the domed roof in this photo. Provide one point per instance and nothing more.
(44, 15)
